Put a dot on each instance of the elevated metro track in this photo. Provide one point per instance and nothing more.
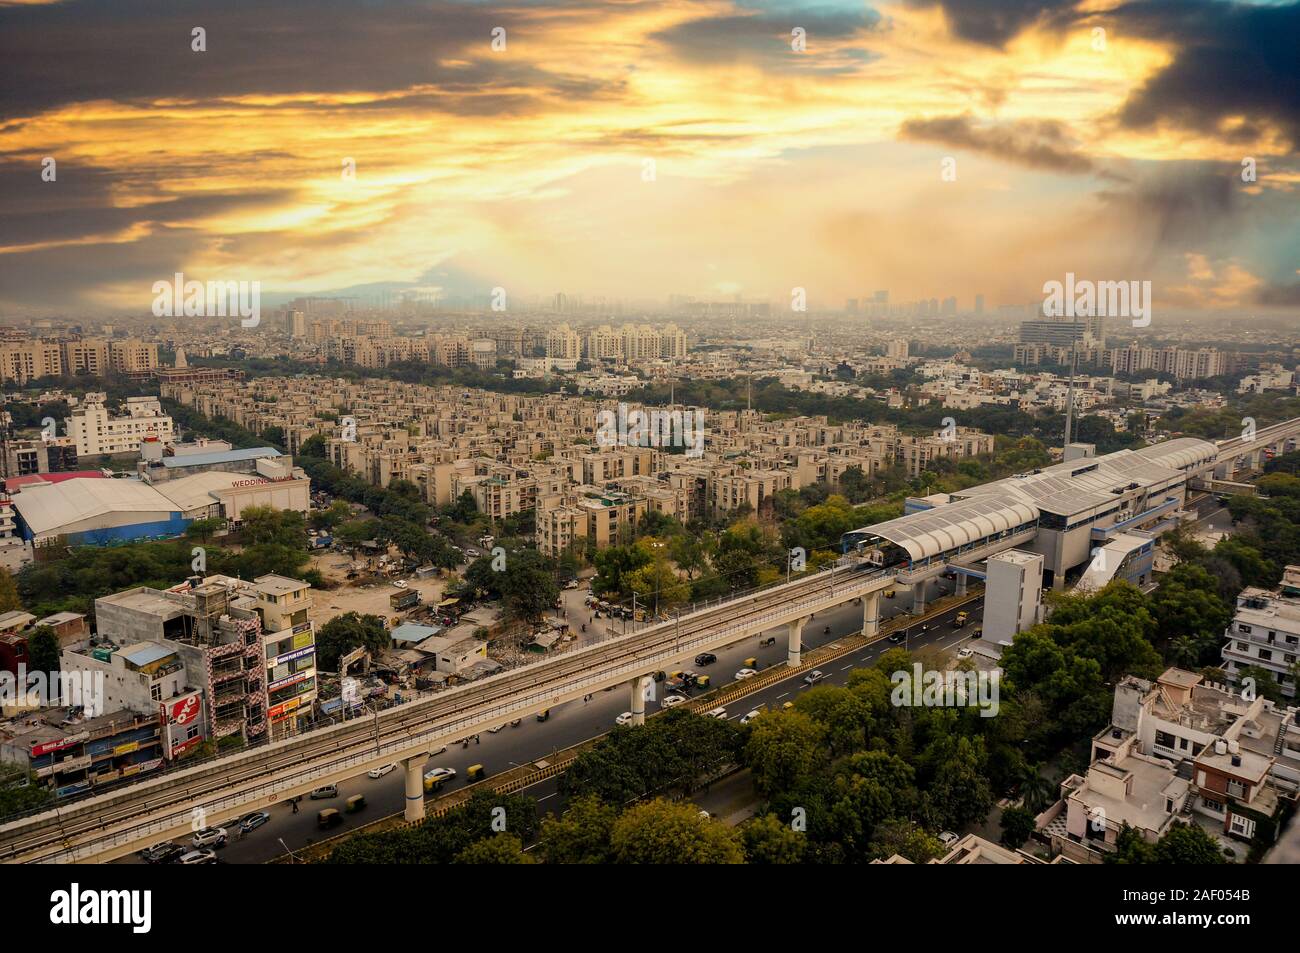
(120, 822)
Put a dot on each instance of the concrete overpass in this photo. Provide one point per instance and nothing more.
(164, 808)
(1246, 453)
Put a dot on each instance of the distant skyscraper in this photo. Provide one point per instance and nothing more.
(979, 304)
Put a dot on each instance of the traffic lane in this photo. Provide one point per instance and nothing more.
(567, 725)
(940, 633)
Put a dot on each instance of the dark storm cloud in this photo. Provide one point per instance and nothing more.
(139, 50)
(1232, 60)
(79, 203)
(1182, 206)
(76, 271)
(1040, 144)
(765, 37)
(994, 22)
(1280, 296)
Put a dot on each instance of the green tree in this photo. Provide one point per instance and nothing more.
(1187, 844)
(768, 840)
(780, 750)
(343, 633)
(43, 650)
(581, 835)
(663, 832)
(1017, 826)
(9, 601)
(502, 849)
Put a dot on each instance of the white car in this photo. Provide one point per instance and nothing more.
(745, 673)
(751, 716)
(440, 774)
(401, 584)
(493, 731)
(210, 837)
(672, 701)
(965, 653)
(571, 584)
(719, 713)
(202, 856)
(379, 772)
(947, 838)
(624, 719)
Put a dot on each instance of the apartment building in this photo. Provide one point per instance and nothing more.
(1265, 632)
(1180, 749)
(562, 343)
(94, 432)
(588, 518)
(24, 361)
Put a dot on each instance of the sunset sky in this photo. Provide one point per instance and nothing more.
(525, 168)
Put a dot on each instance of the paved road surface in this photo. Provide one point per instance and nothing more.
(579, 721)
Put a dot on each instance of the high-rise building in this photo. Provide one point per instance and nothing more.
(563, 343)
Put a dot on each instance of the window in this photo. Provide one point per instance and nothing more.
(1243, 628)
(155, 692)
(1242, 825)
(1211, 805)
(1237, 789)
(1165, 740)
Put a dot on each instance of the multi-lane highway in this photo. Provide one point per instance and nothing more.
(578, 721)
(117, 823)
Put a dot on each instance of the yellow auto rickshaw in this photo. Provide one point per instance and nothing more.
(474, 773)
(701, 681)
(328, 818)
(543, 714)
(751, 663)
(355, 803)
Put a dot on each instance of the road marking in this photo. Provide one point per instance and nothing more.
(548, 797)
(782, 695)
(846, 668)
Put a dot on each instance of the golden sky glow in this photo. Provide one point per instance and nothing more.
(772, 168)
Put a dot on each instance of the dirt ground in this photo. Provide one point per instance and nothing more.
(370, 597)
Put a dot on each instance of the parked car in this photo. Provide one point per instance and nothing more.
(210, 837)
(379, 772)
(493, 731)
(672, 701)
(328, 791)
(965, 653)
(948, 838)
(203, 856)
(624, 719)
(705, 658)
(813, 677)
(745, 673)
(400, 584)
(164, 853)
(252, 822)
(571, 584)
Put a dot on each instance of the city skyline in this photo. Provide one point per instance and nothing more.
(680, 148)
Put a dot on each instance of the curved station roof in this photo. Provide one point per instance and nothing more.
(948, 527)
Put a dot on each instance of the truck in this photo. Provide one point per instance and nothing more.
(406, 599)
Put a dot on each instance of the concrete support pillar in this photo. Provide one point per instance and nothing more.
(641, 689)
(794, 652)
(414, 766)
(871, 614)
(918, 598)
(961, 583)
(1255, 459)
